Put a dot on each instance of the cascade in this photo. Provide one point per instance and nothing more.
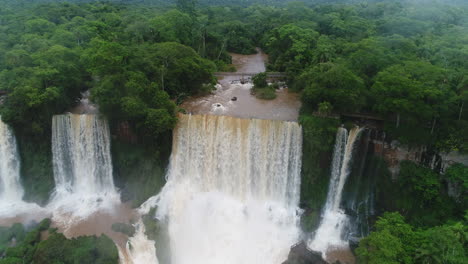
(334, 221)
(139, 248)
(82, 166)
(233, 190)
(10, 186)
(11, 191)
(359, 192)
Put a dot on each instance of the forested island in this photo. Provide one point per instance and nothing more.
(379, 144)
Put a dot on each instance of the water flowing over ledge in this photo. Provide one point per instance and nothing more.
(225, 206)
(330, 233)
(11, 191)
(82, 168)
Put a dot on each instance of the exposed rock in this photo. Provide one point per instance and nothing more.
(301, 254)
(124, 228)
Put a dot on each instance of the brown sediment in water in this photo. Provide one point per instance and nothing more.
(252, 63)
(344, 255)
(100, 223)
(24, 219)
(284, 107)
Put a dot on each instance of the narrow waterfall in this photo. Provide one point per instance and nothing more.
(233, 190)
(359, 192)
(10, 185)
(82, 165)
(11, 190)
(330, 232)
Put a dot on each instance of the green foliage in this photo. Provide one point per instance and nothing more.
(333, 83)
(139, 169)
(260, 80)
(395, 241)
(392, 242)
(266, 93)
(290, 46)
(422, 198)
(36, 168)
(261, 89)
(423, 183)
(55, 249)
(457, 175)
(123, 228)
(58, 249)
(325, 108)
(443, 244)
(318, 139)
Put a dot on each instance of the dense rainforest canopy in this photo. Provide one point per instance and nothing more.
(399, 59)
(404, 61)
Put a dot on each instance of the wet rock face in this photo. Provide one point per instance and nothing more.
(300, 254)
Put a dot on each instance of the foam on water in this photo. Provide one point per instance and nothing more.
(11, 191)
(233, 190)
(139, 249)
(82, 168)
(334, 222)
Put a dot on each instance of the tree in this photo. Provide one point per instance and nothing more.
(369, 56)
(393, 241)
(291, 47)
(172, 26)
(333, 83)
(414, 89)
(443, 244)
(187, 6)
(260, 80)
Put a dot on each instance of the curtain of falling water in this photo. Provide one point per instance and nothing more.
(10, 186)
(233, 190)
(82, 165)
(329, 234)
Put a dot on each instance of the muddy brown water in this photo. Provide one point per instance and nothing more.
(345, 256)
(284, 107)
(100, 223)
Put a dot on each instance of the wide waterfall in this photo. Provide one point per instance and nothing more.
(330, 232)
(233, 190)
(82, 166)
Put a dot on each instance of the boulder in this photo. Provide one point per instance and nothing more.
(301, 254)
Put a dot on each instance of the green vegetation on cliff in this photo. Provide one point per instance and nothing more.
(318, 140)
(18, 246)
(139, 171)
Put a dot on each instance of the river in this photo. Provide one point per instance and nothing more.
(285, 106)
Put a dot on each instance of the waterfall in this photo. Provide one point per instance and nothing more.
(11, 191)
(82, 166)
(233, 190)
(139, 249)
(10, 186)
(330, 232)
